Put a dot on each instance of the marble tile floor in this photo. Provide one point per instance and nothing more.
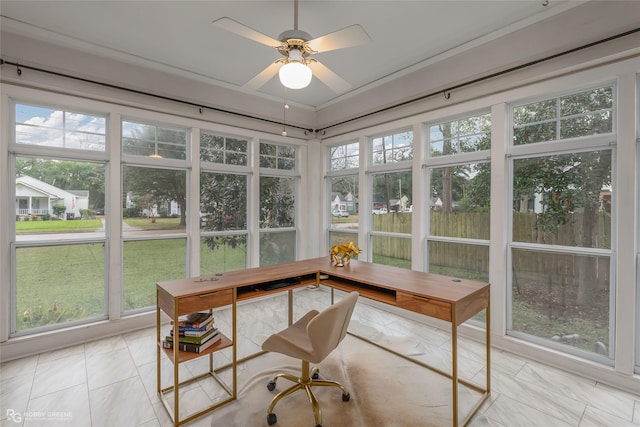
(112, 381)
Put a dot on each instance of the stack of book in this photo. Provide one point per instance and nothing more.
(195, 333)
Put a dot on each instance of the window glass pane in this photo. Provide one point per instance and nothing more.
(563, 299)
(58, 128)
(390, 250)
(154, 200)
(50, 194)
(223, 149)
(277, 248)
(392, 194)
(340, 238)
(277, 202)
(563, 199)
(275, 156)
(460, 136)
(223, 202)
(141, 139)
(464, 261)
(344, 202)
(392, 148)
(459, 260)
(459, 201)
(576, 115)
(222, 253)
(75, 292)
(146, 262)
(345, 156)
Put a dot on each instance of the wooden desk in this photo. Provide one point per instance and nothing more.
(445, 298)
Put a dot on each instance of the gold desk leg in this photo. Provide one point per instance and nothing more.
(234, 335)
(290, 305)
(158, 344)
(176, 380)
(454, 365)
(488, 339)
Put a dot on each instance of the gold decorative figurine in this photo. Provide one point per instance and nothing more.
(341, 254)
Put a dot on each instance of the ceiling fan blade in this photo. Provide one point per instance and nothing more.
(328, 77)
(244, 31)
(263, 77)
(353, 35)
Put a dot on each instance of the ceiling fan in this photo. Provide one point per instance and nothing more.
(298, 66)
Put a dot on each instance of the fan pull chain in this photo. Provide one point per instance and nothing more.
(284, 114)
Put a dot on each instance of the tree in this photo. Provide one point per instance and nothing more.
(223, 202)
(468, 184)
(156, 186)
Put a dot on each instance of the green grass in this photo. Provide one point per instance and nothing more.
(56, 284)
(147, 262)
(58, 226)
(159, 224)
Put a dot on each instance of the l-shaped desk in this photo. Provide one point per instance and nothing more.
(446, 298)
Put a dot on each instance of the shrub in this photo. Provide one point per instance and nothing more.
(59, 210)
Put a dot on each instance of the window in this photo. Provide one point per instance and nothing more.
(343, 207)
(278, 183)
(50, 127)
(459, 199)
(223, 149)
(391, 218)
(393, 148)
(56, 227)
(460, 136)
(562, 280)
(345, 156)
(223, 222)
(276, 156)
(74, 294)
(459, 206)
(571, 116)
(139, 139)
(154, 232)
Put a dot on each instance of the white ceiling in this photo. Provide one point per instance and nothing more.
(178, 37)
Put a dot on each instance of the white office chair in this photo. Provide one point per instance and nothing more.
(311, 339)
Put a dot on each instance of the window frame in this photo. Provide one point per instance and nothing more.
(597, 142)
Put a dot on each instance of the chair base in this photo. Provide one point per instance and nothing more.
(305, 382)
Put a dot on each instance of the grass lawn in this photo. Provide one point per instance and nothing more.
(58, 226)
(159, 224)
(55, 284)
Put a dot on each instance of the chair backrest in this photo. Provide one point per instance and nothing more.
(329, 327)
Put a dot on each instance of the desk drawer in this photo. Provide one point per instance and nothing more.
(205, 301)
(424, 305)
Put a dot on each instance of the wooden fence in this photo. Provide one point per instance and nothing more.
(472, 225)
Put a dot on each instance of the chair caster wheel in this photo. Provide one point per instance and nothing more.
(271, 385)
(346, 397)
(271, 419)
(315, 375)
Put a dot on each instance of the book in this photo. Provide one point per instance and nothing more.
(195, 320)
(193, 348)
(195, 340)
(194, 332)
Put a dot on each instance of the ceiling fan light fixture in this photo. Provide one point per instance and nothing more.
(295, 74)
